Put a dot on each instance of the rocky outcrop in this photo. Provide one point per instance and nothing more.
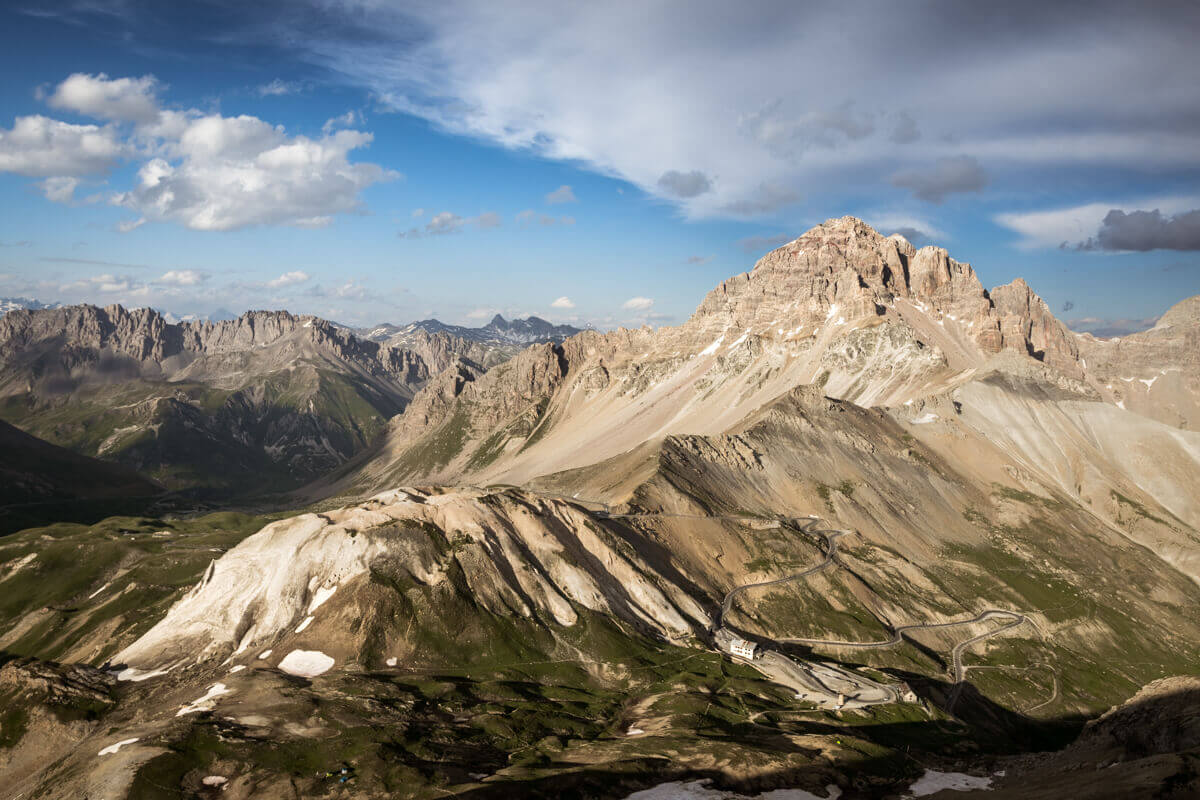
(1155, 373)
(1027, 324)
(515, 555)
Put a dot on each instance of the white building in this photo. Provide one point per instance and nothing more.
(742, 648)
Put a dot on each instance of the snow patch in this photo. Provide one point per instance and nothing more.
(322, 594)
(214, 780)
(307, 621)
(712, 348)
(699, 790)
(1149, 382)
(933, 781)
(265, 654)
(206, 702)
(925, 418)
(391, 662)
(98, 591)
(634, 732)
(306, 663)
(113, 748)
(138, 675)
(238, 668)
(833, 309)
(1121, 404)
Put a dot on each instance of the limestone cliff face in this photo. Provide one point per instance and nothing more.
(82, 333)
(1155, 373)
(869, 318)
(1026, 322)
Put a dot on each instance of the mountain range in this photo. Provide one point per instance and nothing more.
(943, 531)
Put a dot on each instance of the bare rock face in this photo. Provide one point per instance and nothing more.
(869, 318)
(1155, 373)
(1026, 322)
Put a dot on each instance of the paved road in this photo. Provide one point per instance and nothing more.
(831, 537)
(808, 525)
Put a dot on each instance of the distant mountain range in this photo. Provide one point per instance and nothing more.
(8, 304)
(499, 333)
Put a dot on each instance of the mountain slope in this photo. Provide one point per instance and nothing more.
(866, 317)
(268, 399)
(39, 480)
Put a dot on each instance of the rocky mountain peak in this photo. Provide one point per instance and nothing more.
(1185, 312)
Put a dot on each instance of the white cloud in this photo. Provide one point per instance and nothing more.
(60, 189)
(288, 279)
(724, 103)
(637, 303)
(347, 120)
(277, 88)
(562, 194)
(234, 172)
(418, 213)
(447, 222)
(1071, 226)
(119, 99)
(208, 172)
(563, 302)
(106, 283)
(908, 225)
(125, 226)
(529, 216)
(183, 277)
(41, 147)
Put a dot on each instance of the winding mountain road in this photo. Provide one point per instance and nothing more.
(808, 526)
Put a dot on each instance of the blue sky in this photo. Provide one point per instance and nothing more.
(371, 161)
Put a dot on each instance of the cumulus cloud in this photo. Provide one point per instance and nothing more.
(637, 303)
(235, 172)
(684, 185)
(205, 171)
(1075, 227)
(288, 279)
(60, 189)
(562, 194)
(1146, 230)
(117, 99)
(947, 176)
(563, 302)
(757, 244)
(41, 147)
(106, 283)
(447, 222)
(183, 277)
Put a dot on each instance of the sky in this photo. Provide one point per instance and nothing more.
(592, 163)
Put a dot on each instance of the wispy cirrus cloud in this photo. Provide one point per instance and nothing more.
(1032, 86)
